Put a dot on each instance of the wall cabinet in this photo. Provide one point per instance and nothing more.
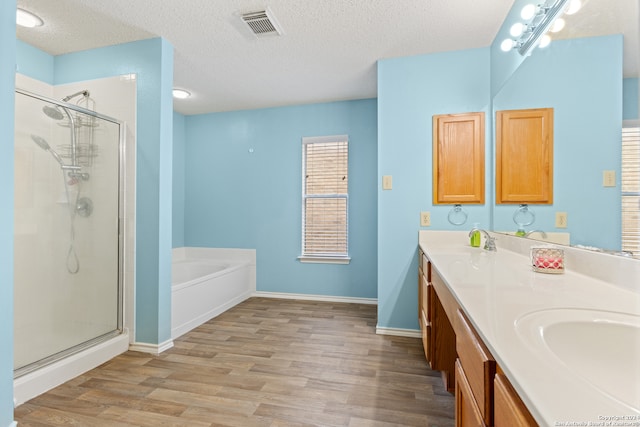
(458, 158)
(484, 396)
(524, 156)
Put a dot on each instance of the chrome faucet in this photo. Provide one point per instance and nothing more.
(489, 242)
(542, 233)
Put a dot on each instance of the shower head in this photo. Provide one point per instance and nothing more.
(46, 147)
(53, 112)
(41, 142)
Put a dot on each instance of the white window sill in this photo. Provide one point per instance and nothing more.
(324, 259)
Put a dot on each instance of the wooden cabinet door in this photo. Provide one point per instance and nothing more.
(509, 410)
(524, 156)
(458, 158)
(467, 411)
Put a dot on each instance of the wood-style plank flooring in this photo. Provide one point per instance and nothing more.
(265, 362)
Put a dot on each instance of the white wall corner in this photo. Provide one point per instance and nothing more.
(397, 332)
(154, 349)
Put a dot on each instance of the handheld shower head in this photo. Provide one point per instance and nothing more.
(46, 147)
(53, 112)
(41, 142)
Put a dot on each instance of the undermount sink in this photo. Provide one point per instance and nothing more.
(601, 347)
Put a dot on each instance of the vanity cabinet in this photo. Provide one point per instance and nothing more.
(438, 336)
(509, 409)
(458, 158)
(483, 394)
(477, 366)
(524, 156)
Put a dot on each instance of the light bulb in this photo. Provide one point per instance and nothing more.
(558, 25)
(544, 41)
(528, 12)
(517, 29)
(507, 45)
(574, 6)
(27, 19)
(180, 94)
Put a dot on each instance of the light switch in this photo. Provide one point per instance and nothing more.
(387, 182)
(561, 220)
(609, 178)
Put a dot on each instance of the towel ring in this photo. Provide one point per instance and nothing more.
(523, 216)
(457, 215)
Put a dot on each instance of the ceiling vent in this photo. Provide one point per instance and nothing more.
(262, 23)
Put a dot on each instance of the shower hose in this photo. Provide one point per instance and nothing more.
(73, 263)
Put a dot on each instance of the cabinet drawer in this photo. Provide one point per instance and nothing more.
(478, 365)
(426, 267)
(509, 409)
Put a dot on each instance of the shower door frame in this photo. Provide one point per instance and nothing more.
(120, 321)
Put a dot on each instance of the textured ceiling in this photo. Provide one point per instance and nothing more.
(328, 51)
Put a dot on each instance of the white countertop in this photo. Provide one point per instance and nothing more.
(496, 289)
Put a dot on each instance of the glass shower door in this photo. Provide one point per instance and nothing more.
(67, 292)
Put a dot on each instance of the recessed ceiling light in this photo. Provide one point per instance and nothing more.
(27, 19)
(181, 94)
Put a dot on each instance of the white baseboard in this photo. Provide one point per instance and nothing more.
(13, 424)
(154, 349)
(308, 297)
(410, 333)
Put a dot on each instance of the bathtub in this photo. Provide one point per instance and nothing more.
(206, 282)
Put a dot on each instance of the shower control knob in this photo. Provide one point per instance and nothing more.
(84, 207)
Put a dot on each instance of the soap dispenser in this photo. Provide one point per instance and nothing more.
(474, 236)
(520, 232)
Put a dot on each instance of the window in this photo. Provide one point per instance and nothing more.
(630, 178)
(325, 199)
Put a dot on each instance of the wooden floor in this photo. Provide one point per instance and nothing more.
(265, 362)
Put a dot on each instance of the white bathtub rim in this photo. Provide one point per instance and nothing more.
(232, 266)
(231, 254)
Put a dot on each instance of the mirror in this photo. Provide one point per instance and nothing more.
(582, 75)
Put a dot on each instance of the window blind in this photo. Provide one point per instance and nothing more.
(630, 186)
(325, 197)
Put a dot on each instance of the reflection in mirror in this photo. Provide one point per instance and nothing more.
(589, 76)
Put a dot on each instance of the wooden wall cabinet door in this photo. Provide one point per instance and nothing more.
(524, 156)
(458, 158)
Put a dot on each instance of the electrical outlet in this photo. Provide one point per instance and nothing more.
(609, 178)
(425, 219)
(387, 182)
(561, 220)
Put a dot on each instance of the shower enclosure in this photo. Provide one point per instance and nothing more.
(67, 239)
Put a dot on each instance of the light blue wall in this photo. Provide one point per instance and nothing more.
(152, 61)
(585, 90)
(410, 91)
(178, 179)
(630, 99)
(235, 198)
(7, 107)
(34, 62)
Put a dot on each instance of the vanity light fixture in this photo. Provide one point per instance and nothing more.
(558, 25)
(27, 19)
(181, 94)
(539, 19)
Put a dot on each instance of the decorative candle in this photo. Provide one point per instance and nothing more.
(547, 259)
